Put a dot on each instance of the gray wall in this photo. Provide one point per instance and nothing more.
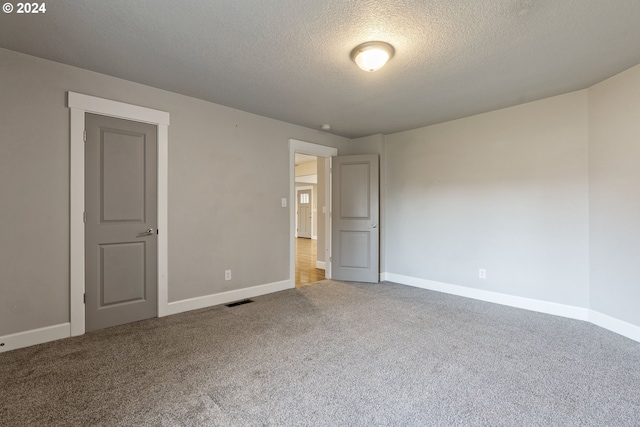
(510, 191)
(614, 195)
(228, 171)
(505, 191)
(545, 196)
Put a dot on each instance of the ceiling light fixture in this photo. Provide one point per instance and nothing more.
(371, 56)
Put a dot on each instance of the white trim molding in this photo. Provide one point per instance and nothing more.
(612, 324)
(557, 309)
(108, 107)
(631, 331)
(618, 326)
(34, 336)
(56, 332)
(227, 297)
(320, 265)
(79, 104)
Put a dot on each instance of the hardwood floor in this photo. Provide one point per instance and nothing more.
(306, 254)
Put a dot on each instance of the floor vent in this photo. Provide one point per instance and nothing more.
(244, 301)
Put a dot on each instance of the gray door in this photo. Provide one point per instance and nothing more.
(121, 216)
(304, 213)
(354, 216)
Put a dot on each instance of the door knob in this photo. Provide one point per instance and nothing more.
(374, 226)
(147, 232)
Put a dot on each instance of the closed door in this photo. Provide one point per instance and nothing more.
(121, 220)
(354, 216)
(304, 213)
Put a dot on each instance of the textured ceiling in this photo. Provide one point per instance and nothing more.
(289, 59)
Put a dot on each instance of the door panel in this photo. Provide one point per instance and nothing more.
(354, 195)
(121, 206)
(354, 216)
(354, 249)
(123, 165)
(122, 276)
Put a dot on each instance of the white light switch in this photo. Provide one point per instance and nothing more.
(284, 202)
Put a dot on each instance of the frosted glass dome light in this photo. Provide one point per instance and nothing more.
(371, 56)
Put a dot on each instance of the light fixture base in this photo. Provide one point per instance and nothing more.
(373, 55)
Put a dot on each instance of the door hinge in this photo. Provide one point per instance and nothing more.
(330, 259)
(84, 298)
(84, 217)
(84, 135)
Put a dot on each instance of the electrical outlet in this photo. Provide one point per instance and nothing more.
(482, 273)
(227, 275)
(284, 202)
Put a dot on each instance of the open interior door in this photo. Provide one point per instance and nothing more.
(354, 218)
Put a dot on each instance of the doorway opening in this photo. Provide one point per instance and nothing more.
(309, 212)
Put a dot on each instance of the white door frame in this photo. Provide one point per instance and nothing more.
(296, 146)
(302, 188)
(79, 104)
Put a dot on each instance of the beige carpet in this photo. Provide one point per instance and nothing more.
(331, 354)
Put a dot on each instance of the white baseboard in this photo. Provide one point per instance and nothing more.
(612, 324)
(226, 297)
(56, 332)
(557, 309)
(314, 237)
(35, 336)
(320, 264)
(620, 327)
(631, 331)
